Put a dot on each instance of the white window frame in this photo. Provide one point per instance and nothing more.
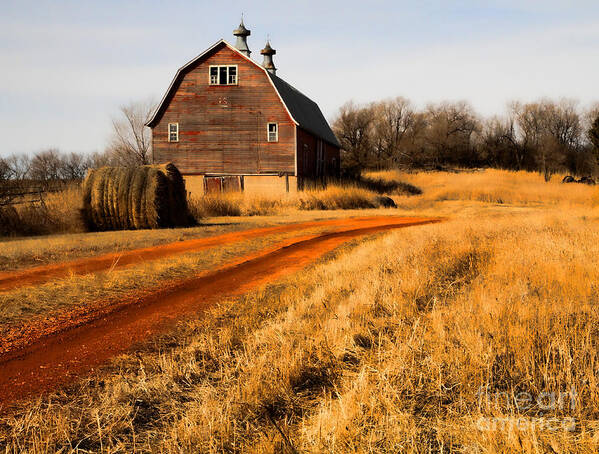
(218, 67)
(169, 132)
(276, 131)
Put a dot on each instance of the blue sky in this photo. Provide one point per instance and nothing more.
(67, 66)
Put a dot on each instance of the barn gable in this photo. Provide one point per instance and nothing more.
(302, 110)
(222, 129)
(155, 118)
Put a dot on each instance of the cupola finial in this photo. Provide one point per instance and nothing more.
(268, 52)
(242, 33)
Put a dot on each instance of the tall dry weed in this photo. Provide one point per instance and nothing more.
(58, 212)
(496, 187)
(334, 197)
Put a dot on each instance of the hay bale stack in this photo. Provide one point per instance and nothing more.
(146, 197)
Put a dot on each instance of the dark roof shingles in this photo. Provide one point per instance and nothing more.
(305, 111)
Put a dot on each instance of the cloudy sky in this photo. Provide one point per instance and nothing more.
(66, 66)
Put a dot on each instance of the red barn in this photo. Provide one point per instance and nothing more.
(229, 123)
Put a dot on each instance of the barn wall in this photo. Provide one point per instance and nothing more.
(194, 184)
(332, 161)
(306, 157)
(269, 185)
(253, 185)
(222, 129)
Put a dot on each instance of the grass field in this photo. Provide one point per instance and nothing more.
(61, 212)
(475, 335)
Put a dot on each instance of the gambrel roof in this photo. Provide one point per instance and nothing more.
(302, 110)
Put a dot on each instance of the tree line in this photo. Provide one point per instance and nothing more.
(545, 136)
(129, 146)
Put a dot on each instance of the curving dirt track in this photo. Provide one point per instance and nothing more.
(59, 358)
(40, 274)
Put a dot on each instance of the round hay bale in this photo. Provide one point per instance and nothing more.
(135, 198)
(97, 198)
(587, 180)
(156, 199)
(177, 194)
(122, 197)
(86, 210)
(109, 200)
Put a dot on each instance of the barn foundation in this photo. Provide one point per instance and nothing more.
(200, 185)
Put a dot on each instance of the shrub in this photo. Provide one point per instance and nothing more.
(389, 186)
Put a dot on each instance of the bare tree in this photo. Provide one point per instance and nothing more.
(4, 170)
(352, 128)
(19, 166)
(130, 144)
(591, 126)
(546, 135)
(46, 166)
(550, 132)
(450, 127)
(74, 166)
(392, 121)
(101, 159)
(14, 170)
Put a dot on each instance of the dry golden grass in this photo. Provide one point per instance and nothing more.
(59, 212)
(338, 198)
(421, 340)
(17, 253)
(496, 186)
(334, 197)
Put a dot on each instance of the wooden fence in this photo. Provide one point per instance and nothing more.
(26, 192)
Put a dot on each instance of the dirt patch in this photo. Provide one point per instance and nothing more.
(40, 274)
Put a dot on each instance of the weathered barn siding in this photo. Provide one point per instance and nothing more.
(307, 162)
(222, 128)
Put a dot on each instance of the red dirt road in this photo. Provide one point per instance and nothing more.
(60, 358)
(40, 274)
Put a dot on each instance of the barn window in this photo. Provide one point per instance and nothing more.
(223, 75)
(232, 75)
(173, 132)
(273, 132)
(213, 75)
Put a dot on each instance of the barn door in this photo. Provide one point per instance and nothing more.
(213, 185)
(228, 183)
(231, 183)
